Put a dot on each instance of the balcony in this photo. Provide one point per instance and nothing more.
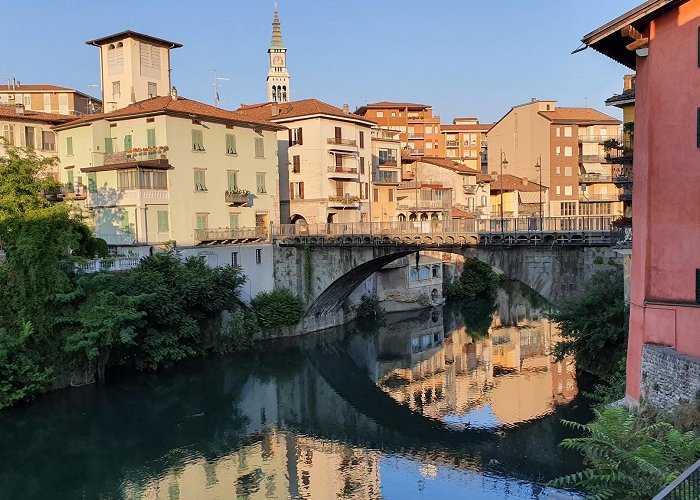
(420, 184)
(414, 117)
(599, 158)
(387, 162)
(119, 197)
(622, 175)
(386, 177)
(73, 192)
(412, 204)
(237, 198)
(343, 202)
(225, 234)
(337, 141)
(452, 144)
(593, 178)
(414, 151)
(584, 197)
(597, 139)
(347, 173)
(469, 188)
(136, 154)
(415, 136)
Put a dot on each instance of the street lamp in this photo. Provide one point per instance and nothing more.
(538, 168)
(504, 164)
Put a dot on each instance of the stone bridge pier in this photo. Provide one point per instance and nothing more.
(325, 276)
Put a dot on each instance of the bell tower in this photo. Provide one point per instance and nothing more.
(277, 76)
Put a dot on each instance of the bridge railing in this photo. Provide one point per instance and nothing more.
(456, 226)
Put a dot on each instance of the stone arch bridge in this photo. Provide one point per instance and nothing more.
(325, 267)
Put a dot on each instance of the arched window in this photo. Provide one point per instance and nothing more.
(412, 217)
(115, 58)
(274, 92)
(423, 216)
(402, 217)
(284, 93)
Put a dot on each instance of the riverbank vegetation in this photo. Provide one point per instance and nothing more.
(476, 281)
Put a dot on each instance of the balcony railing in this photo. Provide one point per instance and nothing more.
(470, 188)
(136, 154)
(337, 141)
(415, 152)
(416, 136)
(387, 162)
(423, 204)
(597, 139)
(622, 174)
(684, 487)
(452, 144)
(117, 264)
(231, 234)
(236, 198)
(344, 201)
(597, 197)
(386, 177)
(593, 178)
(346, 173)
(420, 184)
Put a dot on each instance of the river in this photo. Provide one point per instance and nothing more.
(460, 402)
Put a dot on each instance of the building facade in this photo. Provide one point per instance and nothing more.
(465, 140)
(278, 89)
(386, 174)
(50, 99)
(660, 40)
(568, 147)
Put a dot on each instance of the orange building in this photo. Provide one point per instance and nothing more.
(465, 140)
(419, 130)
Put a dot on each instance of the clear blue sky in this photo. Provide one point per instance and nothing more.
(463, 57)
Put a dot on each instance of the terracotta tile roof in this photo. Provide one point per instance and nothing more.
(9, 111)
(458, 213)
(448, 164)
(467, 127)
(484, 178)
(391, 105)
(578, 115)
(627, 97)
(128, 33)
(30, 88)
(297, 109)
(179, 106)
(507, 182)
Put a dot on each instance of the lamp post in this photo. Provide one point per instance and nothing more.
(538, 168)
(504, 164)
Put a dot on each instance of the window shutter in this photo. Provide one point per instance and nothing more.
(290, 137)
(108, 145)
(151, 137)
(362, 139)
(69, 146)
(301, 190)
(127, 143)
(299, 139)
(291, 190)
(338, 133)
(362, 165)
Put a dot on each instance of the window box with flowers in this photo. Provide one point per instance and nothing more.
(237, 196)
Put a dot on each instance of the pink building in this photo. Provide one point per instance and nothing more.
(660, 39)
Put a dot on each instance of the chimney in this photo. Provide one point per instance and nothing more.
(346, 109)
(275, 109)
(19, 109)
(525, 181)
(533, 99)
(173, 93)
(628, 82)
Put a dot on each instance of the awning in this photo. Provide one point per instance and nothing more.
(530, 197)
(593, 168)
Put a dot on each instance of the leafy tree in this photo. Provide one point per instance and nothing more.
(20, 374)
(237, 332)
(626, 460)
(594, 325)
(476, 280)
(277, 308)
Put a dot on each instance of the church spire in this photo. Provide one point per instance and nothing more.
(276, 30)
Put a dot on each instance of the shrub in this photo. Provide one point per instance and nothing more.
(277, 309)
(237, 332)
(371, 309)
(477, 280)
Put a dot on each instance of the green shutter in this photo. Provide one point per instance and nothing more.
(259, 147)
(125, 219)
(108, 145)
(127, 143)
(232, 181)
(151, 137)
(233, 221)
(230, 144)
(69, 146)
(201, 221)
(163, 226)
(197, 141)
(70, 179)
(92, 182)
(200, 183)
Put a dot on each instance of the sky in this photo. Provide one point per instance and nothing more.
(463, 57)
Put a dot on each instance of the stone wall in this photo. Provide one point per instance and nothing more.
(668, 376)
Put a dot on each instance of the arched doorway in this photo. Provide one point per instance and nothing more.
(297, 219)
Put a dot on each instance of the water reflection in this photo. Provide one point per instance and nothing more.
(439, 404)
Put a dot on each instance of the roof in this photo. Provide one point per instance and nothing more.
(619, 100)
(298, 109)
(608, 40)
(169, 105)
(9, 111)
(42, 88)
(391, 105)
(467, 127)
(134, 34)
(448, 164)
(507, 182)
(458, 213)
(578, 115)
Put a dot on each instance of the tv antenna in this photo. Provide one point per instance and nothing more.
(216, 85)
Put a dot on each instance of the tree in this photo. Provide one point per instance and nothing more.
(20, 373)
(478, 280)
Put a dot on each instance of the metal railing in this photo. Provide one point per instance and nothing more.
(588, 178)
(227, 233)
(597, 196)
(423, 204)
(334, 169)
(344, 201)
(452, 144)
(598, 139)
(236, 198)
(342, 142)
(685, 487)
(386, 177)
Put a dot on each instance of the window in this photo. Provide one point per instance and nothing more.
(260, 181)
(92, 182)
(201, 221)
(364, 190)
(391, 195)
(362, 139)
(558, 151)
(567, 131)
(109, 148)
(558, 132)
(115, 58)
(393, 113)
(558, 191)
(48, 141)
(558, 170)
(150, 59)
(152, 89)
(9, 134)
(116, 89)
(197, 141)
(568, 151)
(128, 144)
(339, 188)
(428, 130)
(567, 171)
(230, 144)
(387, 156)
(295, 136)
(233, 221)
(568, 190)
(70, 179)
(296, 164)
(338, 133)
(338, 161)
(375, 195)
(296, 190)
(142, 179)
(232, 178)
(163, 222)
(258, 256)
(28, 101)
(568, 208)
(234, 258)
(380, 114)
(259, 147)
(200, 183)
(362, 165)
(29, 137)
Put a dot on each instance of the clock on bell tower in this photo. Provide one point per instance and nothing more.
(277, 76)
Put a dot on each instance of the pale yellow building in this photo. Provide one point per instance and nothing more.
(50, 99)
(566, 147)
(133, 67)
(386, 174)
(325, 159)
(170, 168)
